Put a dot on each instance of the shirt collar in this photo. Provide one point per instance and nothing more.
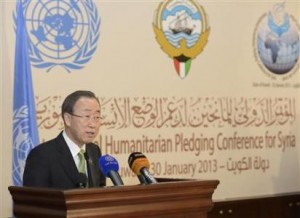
(72, 146)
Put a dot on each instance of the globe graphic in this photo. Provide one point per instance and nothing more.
(58, 28)
(278, 45)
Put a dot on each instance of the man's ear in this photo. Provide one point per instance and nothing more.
(67, 118)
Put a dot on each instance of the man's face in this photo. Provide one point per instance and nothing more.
(82, 126)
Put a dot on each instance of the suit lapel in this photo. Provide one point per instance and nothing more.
(66, 160)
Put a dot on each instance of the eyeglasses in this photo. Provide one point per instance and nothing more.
(87, 118)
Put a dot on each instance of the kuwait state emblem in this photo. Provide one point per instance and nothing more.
(182, 30)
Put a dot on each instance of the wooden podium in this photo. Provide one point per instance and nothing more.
(167, 198)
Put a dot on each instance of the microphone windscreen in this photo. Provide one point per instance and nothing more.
(108, 163)
(137, 161)
(86, 156)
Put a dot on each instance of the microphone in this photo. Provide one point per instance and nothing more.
(142, 179)
(109, 166)
(92, 181)
(139, 164)
(82, 181)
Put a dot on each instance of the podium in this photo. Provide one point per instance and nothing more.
(167, 198)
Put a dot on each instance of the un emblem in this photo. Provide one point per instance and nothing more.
(181, 28)
(22, 144)
(62, 32)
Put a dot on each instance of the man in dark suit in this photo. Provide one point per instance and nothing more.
(57, 163)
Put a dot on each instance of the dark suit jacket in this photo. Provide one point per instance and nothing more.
(51, 165)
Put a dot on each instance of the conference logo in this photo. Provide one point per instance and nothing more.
(62, 33)
(181, 29)
(276, 43)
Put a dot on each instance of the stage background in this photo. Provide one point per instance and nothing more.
(228, 95)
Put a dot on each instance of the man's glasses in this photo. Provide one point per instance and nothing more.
(87, 118)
